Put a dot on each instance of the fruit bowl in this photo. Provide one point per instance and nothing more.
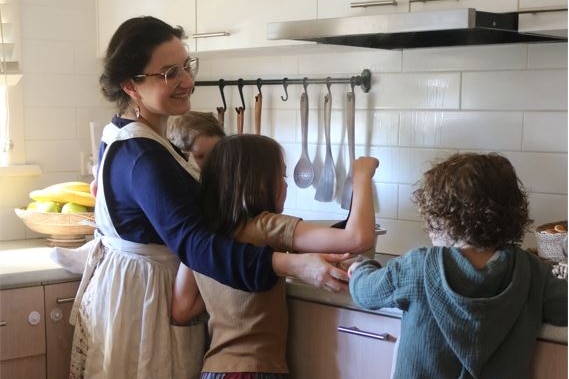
(63, 229)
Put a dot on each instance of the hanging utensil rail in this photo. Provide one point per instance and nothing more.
(363, 80)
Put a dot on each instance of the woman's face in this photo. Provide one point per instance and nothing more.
(202, 146)
(156, 97)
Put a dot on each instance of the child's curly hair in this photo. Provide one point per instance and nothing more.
(476, 199)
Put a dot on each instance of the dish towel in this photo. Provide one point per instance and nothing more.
(72, 260)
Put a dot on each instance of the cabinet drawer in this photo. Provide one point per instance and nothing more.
(22, 333)
(318, 349)
(59, 332)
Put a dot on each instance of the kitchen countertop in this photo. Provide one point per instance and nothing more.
(27, 263)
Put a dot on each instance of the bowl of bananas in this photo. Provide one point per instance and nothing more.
(63, 211)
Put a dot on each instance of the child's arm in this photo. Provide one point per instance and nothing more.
(359, 233)
(187, 302)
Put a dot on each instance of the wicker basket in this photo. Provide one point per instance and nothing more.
(63, 229)
(552, 245)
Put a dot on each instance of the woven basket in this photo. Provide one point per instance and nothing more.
(63, 229)
(552, 246)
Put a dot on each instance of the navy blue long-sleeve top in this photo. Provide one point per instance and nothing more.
(152, 199)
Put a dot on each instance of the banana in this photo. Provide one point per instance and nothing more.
(75, 186)
(63, 193)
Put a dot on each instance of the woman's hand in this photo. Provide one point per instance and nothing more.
(318, 270)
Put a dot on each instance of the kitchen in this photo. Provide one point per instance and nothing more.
(423, 103)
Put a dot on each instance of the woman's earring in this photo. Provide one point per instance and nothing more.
(137, 111)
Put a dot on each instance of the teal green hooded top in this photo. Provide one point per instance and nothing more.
(460, 322)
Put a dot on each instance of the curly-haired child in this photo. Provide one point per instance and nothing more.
(474, 302)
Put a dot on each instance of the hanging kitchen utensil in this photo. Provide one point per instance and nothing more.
(258, 107)
(304, 171)
(326, 183)
(221, 116)
(221, 110)
(240, 110)
(240, 115)
(351, 111)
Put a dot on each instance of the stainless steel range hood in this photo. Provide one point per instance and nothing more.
(453, 27)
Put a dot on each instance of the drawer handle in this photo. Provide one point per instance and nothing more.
(3, 323)
(210, 35)
(65, 300)
(363, 4)
(363, 333)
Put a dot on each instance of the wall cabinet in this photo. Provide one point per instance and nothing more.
(542, 4)
(318, 350)
(112, 13)
(245, 22)
(342, 8)
(212, 25)
(501, 6)
(35, 334)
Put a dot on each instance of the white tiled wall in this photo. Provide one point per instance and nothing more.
(423, 104)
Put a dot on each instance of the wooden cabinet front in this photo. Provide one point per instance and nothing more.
(22, 333)
(318, 350)
(549, 361)
(59, 332)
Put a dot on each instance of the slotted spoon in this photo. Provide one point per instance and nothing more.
(304, 171)
(326, 183)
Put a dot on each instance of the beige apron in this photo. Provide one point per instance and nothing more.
(122, 309)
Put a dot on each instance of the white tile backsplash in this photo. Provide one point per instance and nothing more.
(515, 90)
(413, 90)
(464, 58)
(462, 130)
(545, 132)
(424, 104)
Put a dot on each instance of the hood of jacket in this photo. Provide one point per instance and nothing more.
(475, 308)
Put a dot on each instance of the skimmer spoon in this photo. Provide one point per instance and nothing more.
(304, 171)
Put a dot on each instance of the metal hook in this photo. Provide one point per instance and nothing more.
(305, 83)
(285, 85)
(259, 85)
(221, 86)
(353, 83)
(240, 85)
(328, 84)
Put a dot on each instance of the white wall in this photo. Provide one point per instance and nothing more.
(422, 104)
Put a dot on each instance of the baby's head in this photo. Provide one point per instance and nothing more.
(195, 133)
(475, 199)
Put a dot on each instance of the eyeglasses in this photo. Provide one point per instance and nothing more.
(191, 68)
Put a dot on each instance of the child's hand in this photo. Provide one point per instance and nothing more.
(365, 165)
(357, 261)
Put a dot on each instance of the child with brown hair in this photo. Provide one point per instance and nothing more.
(474, 302)
(243, 192)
